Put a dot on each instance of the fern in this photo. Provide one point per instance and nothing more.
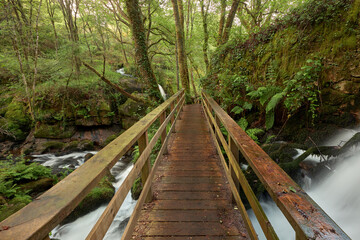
(237, 110)
(269, 119)
(247, 106)
(253, 133)
(243, 123)
(274, 101)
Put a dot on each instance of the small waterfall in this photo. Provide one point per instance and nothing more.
(162, 92)
(81, 227)
(122, 72)
(338, 194)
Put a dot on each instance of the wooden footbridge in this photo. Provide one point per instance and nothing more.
(191, 191)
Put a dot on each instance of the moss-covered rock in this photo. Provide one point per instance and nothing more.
(13, 206)
(38, 186)
(99, 195)
(53, 131)
(136, 189)
(52, 145)
(16, 120)
(128, 122)
(131, 108)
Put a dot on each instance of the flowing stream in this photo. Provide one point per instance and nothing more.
(338, 194)
(80, 228)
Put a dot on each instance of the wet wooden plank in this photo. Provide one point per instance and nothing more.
(195, 238)
(190, 167)
(38, 218)
(305, 216)
(180, 216)
(191, 194)
(188, 228)
(191, 204)
(187, 164)
(193, 187)
(180, 195)
(189, 173)
(195, 179)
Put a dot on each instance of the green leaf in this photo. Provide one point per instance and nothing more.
(247, 106)
(274, 101)
(243, 123)
(237, 110)
(269, 119)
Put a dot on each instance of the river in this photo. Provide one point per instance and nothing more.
(80, 228)
(338, 194)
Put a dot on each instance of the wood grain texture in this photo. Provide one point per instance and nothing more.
(192, 198)
(306, 217)
(38, 218)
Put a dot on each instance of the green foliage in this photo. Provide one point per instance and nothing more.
(18, 171)
(254, 132)
(304, 88)
(243, 123)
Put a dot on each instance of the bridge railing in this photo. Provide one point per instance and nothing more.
(308, 220)
(40, 217)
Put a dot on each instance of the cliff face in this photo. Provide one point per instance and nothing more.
(304, 68)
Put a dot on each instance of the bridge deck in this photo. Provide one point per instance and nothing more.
(192, 199)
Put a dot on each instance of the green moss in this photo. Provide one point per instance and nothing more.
(16, 121)
(353, 14)
(52, 145)
(349, 42)
(99, 195)
(53, 131)
(86, 145)
(13, 206)
(71, 146)
(136, 189)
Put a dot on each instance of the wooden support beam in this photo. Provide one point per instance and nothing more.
(38, 218)
(293, 201)
(143, 142)
(235, 151)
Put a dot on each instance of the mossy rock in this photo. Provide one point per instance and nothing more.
(72, 146)
(131, 108)
(136, 189)
(13, 206)
(53, 131)
(16, 120)
(128, 122)
(38, 186)
(86, 145)
(99, 195)
(111, 138)
(52, 145)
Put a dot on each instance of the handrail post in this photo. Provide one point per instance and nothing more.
(235, 151)
(163, 134)
(172, 120)
(218, 123)
(143, 142)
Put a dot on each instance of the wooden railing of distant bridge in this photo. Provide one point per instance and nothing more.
(309, 221)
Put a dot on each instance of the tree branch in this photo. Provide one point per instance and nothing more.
(107, 81)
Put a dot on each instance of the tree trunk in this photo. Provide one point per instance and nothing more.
(206, 34)
(229, 21)
(141, 51)
(221, 22)
(179, 27)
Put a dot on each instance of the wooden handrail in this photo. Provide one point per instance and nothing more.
(239, 176)
(307, 218)
(38, 218)
(104, 222)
